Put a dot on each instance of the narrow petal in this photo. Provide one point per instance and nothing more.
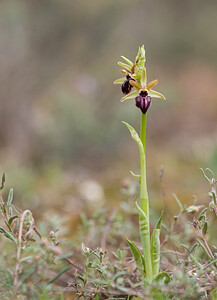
(120, 80)
(144, 77)
(135, 84)
(151, 84)
(132, 95)
(155, 94)
(127, 61)
(125, 66)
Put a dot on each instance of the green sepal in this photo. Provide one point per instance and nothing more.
(127, 61)
(131, 95)
(162, 277)
(155, 94)
(138, 257)
(119, 80)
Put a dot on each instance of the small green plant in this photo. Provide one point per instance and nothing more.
(136, 77)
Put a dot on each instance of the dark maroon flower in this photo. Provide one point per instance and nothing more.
(143, 101)
(126, 87)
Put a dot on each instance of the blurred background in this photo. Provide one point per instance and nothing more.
(62, 144)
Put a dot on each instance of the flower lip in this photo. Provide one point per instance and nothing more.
(143, 102)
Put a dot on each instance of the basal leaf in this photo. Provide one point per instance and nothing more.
(163, 276)
(139, 260)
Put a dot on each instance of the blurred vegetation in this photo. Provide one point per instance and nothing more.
(60, 117)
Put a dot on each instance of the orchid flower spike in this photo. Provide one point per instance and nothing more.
(136, 77)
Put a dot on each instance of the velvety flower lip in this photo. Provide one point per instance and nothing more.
(137, 72)
(143, 101)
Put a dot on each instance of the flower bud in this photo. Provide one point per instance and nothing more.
(143, 101)
(126, 87)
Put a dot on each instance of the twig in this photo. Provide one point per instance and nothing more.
(19, 246)
(208, 249)
(71, 263)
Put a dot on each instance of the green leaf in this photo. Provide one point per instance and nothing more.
(163, 276)
(10, 236)
(184, 246)
(204, 174)
(178, 202)
(192, 249)
(139, 259)
(204, 228)
(10, 197)
(196, 262)
(208, 169)
(214, 198)
(202, 215)
(158, 225)
(127, 61)
(155, 94)
(131, 95)
(120, 80)
(125, 66)
(143, 221)
(134, 134)
(143, 77)
(3, 182)
(11, 219)
(205, 250)
(2, 230)
(8, 226)
(118, 274)
(59, 274)
(155, 247)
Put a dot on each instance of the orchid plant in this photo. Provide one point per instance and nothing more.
(135, 78)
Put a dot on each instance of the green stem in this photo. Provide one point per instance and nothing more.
(145, 239)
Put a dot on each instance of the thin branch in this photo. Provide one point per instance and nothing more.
(19, 246)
